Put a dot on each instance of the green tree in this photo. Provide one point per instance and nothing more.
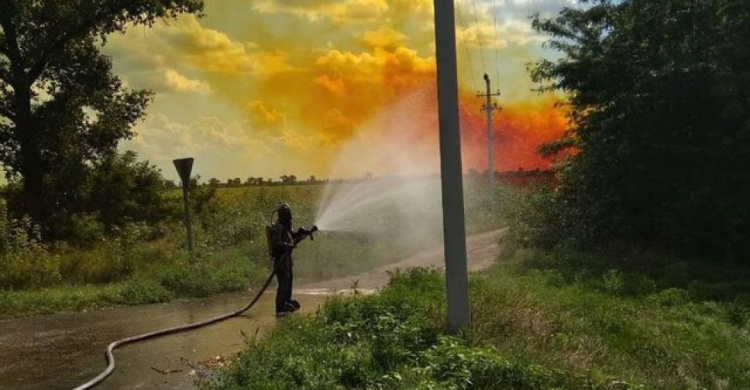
(123, 189)
(659, 97)
(60, 104)
(116, 190)
(170, 185)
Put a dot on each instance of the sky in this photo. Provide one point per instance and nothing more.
(273, 87)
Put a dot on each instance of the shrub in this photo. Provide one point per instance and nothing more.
(140, 291)
(81, 199)
(202, 279)
(613, 282)
(670, 297)
(453, 364)
(86, 229)
(25, 262)
(123, 189)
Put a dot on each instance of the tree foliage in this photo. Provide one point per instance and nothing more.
(61, 107)
(106, 196)
(659, 95)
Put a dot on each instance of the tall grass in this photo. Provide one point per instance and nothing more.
(389, 341)
(531, 329)
(26, 263)
(229, 250)
(140, 263)
(619, 322)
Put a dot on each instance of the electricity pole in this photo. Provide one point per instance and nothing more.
(451, 172)
(489, 107)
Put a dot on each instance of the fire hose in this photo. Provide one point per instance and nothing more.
(163, 332)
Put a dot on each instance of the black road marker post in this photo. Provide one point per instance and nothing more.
(184, 166)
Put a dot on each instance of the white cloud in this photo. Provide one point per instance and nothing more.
(179, 83)
(186, 42)
(224, 149)
(503, 23)
(346, 11)
(221, 149)
(521, 10)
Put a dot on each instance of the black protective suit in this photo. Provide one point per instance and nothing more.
(284, 241)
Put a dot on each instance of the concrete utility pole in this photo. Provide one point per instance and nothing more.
(489, 107)
(454, 231)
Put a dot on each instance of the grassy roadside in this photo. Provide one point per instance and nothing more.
(160, 279)
(535, 326)
(147, 264)
(225, 271)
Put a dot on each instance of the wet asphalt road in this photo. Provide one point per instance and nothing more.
(61, 351)
(64, 350)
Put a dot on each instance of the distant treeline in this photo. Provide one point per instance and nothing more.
(520, 178)
(249, 182)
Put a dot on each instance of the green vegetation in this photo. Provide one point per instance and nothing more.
(98, 200)
(659, 99)
(631, 274)
(642, 318)
(534, 327)
(142, 263)
(123, 270)
(63, 111)
(391, 340)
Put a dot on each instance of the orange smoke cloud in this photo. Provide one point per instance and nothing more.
(351, 88)
(518, 131)
(305, 92)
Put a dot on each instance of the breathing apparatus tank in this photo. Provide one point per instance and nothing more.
(269, 236)
(302, 232)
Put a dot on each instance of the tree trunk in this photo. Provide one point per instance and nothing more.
(31, 158)
(31, 170)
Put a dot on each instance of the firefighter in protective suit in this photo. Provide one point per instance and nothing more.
(284, 241)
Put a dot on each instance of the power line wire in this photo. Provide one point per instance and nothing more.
(479, 36)
(497, 43)
(466, 47)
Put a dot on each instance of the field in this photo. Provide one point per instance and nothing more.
(146, 264)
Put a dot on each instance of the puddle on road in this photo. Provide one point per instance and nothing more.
(61, 351)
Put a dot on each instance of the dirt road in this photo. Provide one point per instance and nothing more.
(61, 351)
(482, 250)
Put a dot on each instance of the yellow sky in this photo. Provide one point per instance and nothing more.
(272, 87)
